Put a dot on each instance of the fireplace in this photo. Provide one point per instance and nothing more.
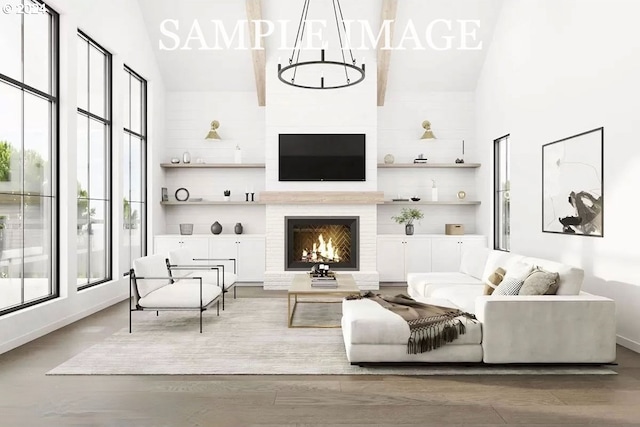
(321, 240)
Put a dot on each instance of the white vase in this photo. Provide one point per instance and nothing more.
(434, 194)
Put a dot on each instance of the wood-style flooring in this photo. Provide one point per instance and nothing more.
(29, 398)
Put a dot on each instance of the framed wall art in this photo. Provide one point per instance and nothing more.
(572, 185)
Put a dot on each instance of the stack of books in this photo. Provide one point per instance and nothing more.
(324, 282)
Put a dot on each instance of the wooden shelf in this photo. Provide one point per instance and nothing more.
(322, 197)
(429, 202)
(212, 166)
(428, 165)
(206, 202)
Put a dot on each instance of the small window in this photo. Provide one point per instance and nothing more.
(502, 188)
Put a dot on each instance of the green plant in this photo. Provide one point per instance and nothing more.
(408, 215)
(227, 193)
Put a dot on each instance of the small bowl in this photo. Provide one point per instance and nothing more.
(415, 199)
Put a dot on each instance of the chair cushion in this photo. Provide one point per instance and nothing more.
(181, 295)
(150, 266)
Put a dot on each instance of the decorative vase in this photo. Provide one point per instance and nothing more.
(408, 229)
(216, 228)
(434, 191)
(389, 159)
(186, 157)
(238, 228)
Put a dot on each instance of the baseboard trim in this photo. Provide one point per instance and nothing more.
(33, 335)
(628, 343)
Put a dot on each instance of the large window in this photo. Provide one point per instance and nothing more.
(501, 209)
(28, 155)
(134, 161)
(93, 163)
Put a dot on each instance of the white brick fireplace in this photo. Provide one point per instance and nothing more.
(275, 275)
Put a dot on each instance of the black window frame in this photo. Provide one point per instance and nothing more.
(497, 222)
(54, 98)
(143, 155)
(108, 122)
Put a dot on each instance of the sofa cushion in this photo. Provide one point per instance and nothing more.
(540, 282)
(499, 259)
(461, 296)
(420, 284)
(494, 280)
(509, 286)
(150, 266)
(367, 322)
(473, 261)
(570, 281)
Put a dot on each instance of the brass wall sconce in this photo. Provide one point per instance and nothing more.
(428, 134)
(213, 134)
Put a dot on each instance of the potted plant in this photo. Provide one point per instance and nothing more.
(227, 195)
(407, 216)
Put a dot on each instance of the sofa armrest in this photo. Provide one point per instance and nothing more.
(547, 328)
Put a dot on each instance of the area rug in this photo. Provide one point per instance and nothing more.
(250, 337)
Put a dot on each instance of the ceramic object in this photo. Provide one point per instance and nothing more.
(461, 195)
(186, 157)
(175, 160)
(238, 228)
(389, 159)
(408, 229)
(216, 228)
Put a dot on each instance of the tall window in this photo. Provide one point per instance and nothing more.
(134, 160)
(501, 209)
(93, 163)
(28, 155)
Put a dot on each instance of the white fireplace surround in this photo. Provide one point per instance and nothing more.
(276, 278)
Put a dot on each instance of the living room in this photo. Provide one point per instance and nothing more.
(470, 74)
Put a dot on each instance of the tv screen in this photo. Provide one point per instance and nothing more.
(322, 157)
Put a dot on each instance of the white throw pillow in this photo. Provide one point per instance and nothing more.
(509, 286)
(518, 270)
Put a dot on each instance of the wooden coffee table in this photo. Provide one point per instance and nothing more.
(301, 287)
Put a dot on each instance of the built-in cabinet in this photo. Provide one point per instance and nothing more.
(399, 255)
(248, 250)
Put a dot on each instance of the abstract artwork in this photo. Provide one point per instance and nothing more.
(572, 184)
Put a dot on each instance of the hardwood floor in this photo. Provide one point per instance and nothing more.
(29, 398)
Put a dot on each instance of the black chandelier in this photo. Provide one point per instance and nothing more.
(295, 63)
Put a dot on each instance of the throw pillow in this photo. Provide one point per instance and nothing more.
(519, 270)
(540, 282)
(494, 280)
(509, 286)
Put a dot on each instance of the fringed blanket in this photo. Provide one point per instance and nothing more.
(431, 326)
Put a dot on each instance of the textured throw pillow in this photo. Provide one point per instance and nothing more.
(540, 282)
(494, 280)
(509, 286)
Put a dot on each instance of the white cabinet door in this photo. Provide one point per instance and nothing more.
(391, 259)
(445, 254)
(251, 263)
(475, 242)
(163, 245)
(199, 246)
(417, 255)
(224, 247)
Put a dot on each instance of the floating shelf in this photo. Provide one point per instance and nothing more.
(213, 166)
(428, 165)
(429, 202)
(204, 202)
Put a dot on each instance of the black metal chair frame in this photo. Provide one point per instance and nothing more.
(216, 267)
(133, 286)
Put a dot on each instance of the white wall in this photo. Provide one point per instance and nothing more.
(452, 117)
(242, 123)
(118, 26)
(555, 69)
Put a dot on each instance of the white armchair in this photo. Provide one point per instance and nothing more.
(182, 263)
(152, 288)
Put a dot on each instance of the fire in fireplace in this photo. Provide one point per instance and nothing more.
(327, 240)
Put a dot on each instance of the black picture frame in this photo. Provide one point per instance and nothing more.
(573, 185)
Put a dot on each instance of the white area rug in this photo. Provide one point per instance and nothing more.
(250, 337)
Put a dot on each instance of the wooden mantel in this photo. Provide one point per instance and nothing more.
(322, 197)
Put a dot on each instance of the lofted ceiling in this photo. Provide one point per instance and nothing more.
(426, 69)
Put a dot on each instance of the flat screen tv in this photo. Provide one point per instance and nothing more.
(322, 157)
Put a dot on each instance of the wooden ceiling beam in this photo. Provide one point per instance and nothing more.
(389, 11)
(258, 53)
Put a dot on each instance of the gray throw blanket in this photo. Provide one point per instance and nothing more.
(431, 326)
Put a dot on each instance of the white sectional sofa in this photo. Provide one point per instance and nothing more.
(569, 327)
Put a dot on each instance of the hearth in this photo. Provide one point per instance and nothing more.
(326, 240)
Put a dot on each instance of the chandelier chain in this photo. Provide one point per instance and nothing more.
(303, 25)
(344, 60)
(353, 61)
